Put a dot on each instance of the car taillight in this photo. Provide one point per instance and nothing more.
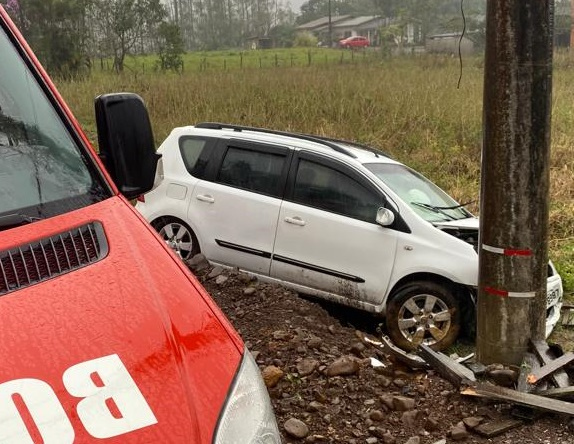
(141, 198)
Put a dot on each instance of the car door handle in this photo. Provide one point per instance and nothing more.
(205, 198)
(295, 221)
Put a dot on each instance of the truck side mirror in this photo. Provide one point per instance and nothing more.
(126, 142)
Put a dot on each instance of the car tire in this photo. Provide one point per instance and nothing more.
(178, 236)
(423, 312)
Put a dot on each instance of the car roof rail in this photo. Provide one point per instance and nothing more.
(331, 143)
(361, 146)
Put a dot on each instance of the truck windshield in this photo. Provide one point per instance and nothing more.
(42, 170)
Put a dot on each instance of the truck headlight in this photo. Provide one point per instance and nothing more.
(247, 416)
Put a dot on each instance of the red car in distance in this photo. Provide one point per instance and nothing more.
(356, 41)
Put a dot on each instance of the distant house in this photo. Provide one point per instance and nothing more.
(369, 26)
(322, 24)
(257, 42)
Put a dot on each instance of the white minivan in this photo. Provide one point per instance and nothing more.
(329, 218)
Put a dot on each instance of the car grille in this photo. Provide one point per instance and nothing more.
(48, 258)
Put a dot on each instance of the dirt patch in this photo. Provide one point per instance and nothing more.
(327, 384)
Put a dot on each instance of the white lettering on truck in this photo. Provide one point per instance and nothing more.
(111, 404)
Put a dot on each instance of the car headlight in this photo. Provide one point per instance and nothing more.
(247, 416)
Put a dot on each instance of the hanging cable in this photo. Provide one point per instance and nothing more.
(460, 42)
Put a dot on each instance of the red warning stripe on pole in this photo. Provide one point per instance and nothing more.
(510, 294)
(507, 251)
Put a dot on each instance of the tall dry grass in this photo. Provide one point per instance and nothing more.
(410, 108)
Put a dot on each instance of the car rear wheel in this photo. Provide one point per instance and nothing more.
(178, 236)
(423, 312)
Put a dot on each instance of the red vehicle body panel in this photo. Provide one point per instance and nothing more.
(139, 302)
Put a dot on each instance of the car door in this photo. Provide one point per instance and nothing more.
(327, 238)
(235, 208)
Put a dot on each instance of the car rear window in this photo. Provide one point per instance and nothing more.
(252, 170)
(196, 152)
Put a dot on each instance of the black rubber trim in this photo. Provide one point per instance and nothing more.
(347, 277)
(243, 249)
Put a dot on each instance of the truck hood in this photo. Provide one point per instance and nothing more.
(128, 347)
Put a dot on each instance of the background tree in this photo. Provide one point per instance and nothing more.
(170, 47)
(125, 26)
(56, 30)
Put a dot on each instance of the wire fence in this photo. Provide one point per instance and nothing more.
(256, 59)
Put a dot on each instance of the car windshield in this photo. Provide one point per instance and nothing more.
(42, 171)
(423, 196)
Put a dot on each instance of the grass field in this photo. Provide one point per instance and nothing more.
(409, 107)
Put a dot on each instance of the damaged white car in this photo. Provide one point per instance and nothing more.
(329, 218)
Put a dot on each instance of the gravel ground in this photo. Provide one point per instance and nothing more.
(323, 384)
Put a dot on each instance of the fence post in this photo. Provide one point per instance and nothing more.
(276, 61)
(260, 66)
(241, 60)
(225, 64)
(309, 58)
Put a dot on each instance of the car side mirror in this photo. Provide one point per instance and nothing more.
(385, 217)
(126, 142)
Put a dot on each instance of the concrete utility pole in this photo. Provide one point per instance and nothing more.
(515, 179)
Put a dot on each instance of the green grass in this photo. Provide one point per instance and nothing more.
(409, 107)
(248, 59)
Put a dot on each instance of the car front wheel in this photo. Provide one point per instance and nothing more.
(178, 236)
(423, 313)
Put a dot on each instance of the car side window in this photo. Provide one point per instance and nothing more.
(196, 152)
(328, 189)
(252, 170)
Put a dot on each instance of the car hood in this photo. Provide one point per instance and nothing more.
(468, 223)
(128, 348)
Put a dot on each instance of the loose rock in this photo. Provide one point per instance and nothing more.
(342, 367)
(272, 375)
(221, 279)
(402, 403)
(459, 432)
(296, 428)
(307, 366)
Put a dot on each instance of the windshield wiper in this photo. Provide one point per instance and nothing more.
(454, 207)
(15, 220)
(439, 210)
